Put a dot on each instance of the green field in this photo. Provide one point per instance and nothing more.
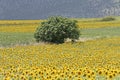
(101, 32)
(17, 38)
(11, 39)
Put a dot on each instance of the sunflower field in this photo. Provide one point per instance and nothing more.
(95, 59)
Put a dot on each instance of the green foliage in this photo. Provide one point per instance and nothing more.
(108, 19)
(56, 30)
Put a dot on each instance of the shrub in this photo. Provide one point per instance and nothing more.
(56, 29)
(108, 19)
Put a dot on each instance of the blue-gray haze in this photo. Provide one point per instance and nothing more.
(41, 9)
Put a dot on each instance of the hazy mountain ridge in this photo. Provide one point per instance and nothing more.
(40, 9)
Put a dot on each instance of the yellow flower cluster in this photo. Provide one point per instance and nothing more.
(91, 60)
(17, 22)
(19, 28)
(31, 25)
(19, 25)
(95, 24)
